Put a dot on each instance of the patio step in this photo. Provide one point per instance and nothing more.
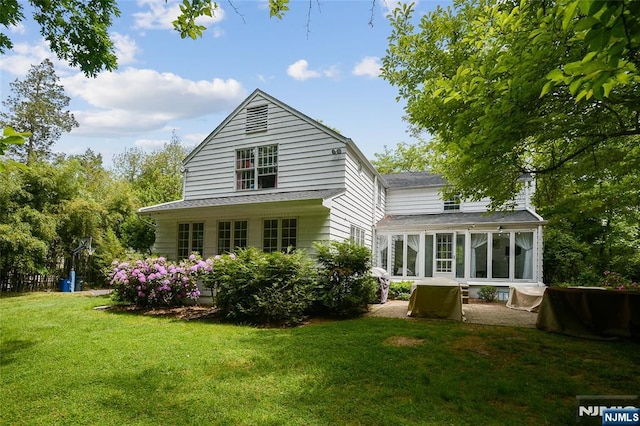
(465, 293)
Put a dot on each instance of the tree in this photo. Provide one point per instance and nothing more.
(28, 197)
(37, 106)
(404, 158)
(511, 89)
(153, 178)
(156, 177)
(548, 88)
(10, 137)
(78, 30)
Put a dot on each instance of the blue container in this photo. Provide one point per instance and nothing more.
(65, 285)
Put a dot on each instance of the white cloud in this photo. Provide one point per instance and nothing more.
(126, 48)
(217, 32)
(265, 78)
(300, 71)
(25, 55)
(137, 100)
(369, 66)
(159, 15)
(17, 29)
(388, 6)
(150, 143)
(331, 72)
(193, 139)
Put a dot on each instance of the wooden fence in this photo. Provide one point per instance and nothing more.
(18, 283)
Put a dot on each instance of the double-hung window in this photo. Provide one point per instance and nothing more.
(190, 239)
(357, 235)
(257, 168)
(232, 235)
(452, 203)
(279, 234)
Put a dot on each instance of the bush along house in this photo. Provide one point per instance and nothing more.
(271, 177)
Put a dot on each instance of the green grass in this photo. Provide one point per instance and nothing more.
(65, 363)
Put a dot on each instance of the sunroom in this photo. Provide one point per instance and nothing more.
(473, 248)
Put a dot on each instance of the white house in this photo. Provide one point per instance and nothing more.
(269, 176)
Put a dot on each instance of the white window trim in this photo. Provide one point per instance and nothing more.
(255, 167)
(358, 235)
(191, 248)
(467, 255)
(279, 235)
(232, 240)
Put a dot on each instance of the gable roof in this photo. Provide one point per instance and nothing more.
(323, 195)
(413, 180)
(259, 93)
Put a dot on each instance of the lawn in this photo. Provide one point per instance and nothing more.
(65, 363)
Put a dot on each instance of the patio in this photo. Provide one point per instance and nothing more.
(475, 313)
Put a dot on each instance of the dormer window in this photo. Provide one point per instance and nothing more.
(257, 168)
(257, 119)
(452, 203)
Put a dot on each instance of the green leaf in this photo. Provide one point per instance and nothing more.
(589, 56)
(574, 86)
(555, 75)
(585, 23)
(606, 87)
(546, 88)
(569, 13)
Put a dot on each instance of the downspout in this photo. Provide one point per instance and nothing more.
(373, 210)
(184, 171)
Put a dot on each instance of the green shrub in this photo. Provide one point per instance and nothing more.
(263, 288)
(488, 293)
(345, 285)
(567, 260)
(617, 281)
(400, 290)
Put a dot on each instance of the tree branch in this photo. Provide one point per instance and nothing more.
(235, 9)
(566, 159)
(373, 5)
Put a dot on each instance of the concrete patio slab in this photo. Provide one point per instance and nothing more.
(474, 313)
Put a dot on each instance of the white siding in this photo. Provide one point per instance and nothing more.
(414, 201)
(313, 224)
(428, 200)
(166, 239)
(305, 158)
(357, 205)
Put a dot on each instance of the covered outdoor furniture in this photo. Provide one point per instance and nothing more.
(590, 313)
(436, 298)
(525, 298)
(384, 279)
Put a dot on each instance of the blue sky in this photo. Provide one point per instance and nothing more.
(323, 59)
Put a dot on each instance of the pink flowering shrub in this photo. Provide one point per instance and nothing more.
(157, 282)
(616, 281)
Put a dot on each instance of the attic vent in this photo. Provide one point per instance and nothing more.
(257, 119)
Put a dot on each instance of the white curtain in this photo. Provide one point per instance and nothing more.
(477, 241)
(382, 245)
(524, 240)
(413, 241)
